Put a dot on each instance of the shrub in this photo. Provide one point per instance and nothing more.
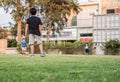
(19, 48)
(12, 43)
(79, 46)
(69, 47)
(112, 47)
(65, 47)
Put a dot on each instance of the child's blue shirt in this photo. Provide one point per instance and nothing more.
(23, 43)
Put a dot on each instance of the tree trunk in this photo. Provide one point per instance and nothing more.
(19, 25)
(48, 34)
(19, 30)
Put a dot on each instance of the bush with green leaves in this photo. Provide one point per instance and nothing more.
(65, 47)
(68, 47)
(79, 46)
(112, 47)
(12, 43)
(19, 48)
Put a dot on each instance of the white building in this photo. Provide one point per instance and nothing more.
(105, 27)
(67, 34)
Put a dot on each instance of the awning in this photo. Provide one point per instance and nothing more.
(86, 39)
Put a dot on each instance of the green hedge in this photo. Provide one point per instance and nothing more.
(12, 43)
(68, 47)
(112, 47)
(65, 47)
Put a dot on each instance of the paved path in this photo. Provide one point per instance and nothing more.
(11, 51)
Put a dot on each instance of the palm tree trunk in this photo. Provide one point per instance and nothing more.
(19, 25)
(48, 34)
(19, 30)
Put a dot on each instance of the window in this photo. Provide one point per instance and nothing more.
(110, 11)
(86, 35)
(74, 21)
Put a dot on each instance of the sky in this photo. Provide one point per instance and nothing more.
(5, 18)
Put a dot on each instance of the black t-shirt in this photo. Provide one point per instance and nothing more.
(34, 23)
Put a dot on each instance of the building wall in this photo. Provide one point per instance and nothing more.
(83, 30)
(71, 34)
(84, 18)
(69, 23)
(66, 34)
(109, 4)
(105, 27)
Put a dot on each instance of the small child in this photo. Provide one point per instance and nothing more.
(23, 46)
(87, 48)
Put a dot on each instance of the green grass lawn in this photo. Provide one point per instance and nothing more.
(59, 68)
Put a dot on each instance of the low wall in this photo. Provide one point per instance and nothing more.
(3, 46)
(64, 51)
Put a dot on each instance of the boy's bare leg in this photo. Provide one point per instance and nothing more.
(24, 52)
(32, 49)
(41, 48)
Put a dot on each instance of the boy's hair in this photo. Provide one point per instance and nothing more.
(33, 11)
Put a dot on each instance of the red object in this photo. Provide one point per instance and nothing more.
(117, 10)
(86, 40)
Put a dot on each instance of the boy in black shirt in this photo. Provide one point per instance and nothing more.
(34, 28)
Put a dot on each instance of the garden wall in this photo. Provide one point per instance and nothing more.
(3, 46)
